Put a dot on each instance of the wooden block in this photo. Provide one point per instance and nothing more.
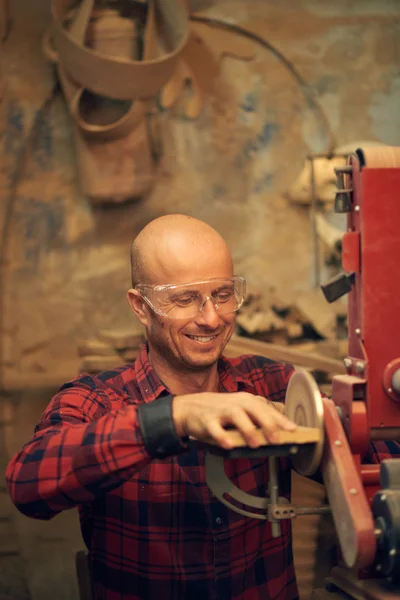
(121, 339)
(95, 347)
(97, 364)
(301, 435)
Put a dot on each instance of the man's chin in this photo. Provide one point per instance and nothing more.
(198, 357)
(198, 363)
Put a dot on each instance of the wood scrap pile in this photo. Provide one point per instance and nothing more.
(307, 319)
(109, 349)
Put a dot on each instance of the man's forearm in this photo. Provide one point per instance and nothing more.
(69, 463)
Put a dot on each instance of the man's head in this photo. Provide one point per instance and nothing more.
(177, 250)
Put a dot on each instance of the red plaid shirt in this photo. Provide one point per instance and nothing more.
(152, 527)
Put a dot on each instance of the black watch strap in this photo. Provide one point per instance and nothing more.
(158, 430)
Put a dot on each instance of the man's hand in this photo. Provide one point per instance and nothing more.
(207, 414)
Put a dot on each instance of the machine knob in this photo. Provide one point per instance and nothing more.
(396, 381)
(391, 380)
(386, 510)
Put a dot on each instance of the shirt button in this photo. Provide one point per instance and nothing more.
(218, 520)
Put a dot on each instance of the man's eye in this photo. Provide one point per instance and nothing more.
(223, 296)
(185, 300)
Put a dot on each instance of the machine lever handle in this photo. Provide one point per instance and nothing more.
(338, 286)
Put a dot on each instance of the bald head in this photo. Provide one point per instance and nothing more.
(179, 249)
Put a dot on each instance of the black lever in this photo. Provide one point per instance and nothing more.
(338, 286)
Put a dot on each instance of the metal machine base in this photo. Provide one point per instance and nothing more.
(344, 584)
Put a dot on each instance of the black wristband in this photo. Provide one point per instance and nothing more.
(158, 430)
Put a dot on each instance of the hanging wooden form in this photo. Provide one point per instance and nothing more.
(108, 82)
(108, 86)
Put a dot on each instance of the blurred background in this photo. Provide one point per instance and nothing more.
(246, 140)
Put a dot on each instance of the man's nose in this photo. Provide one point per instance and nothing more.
(208, 314)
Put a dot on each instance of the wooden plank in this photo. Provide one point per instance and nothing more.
(95, 347)
(97, 364)
(121, 339)
(301, 435)
(239, 345)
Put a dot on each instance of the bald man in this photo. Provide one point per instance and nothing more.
(117, 445)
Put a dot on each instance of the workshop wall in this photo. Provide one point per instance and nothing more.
(66, 261)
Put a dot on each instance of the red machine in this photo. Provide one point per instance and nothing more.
(368, 396)
(364, 498)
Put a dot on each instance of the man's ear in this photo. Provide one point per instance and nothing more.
(138, 305)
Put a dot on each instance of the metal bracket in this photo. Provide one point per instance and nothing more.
(223, 488)
(273, 508)
(290, 511)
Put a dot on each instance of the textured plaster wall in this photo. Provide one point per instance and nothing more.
(67, 266)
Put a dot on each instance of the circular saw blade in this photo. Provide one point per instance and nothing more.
(304, 407)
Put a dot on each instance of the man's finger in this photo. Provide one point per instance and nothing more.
(219, 434)
(247, 429)
(286, 423)
(279, 406)
(270, 421)
(279, 414)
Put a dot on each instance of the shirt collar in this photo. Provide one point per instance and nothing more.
(151, 386)
(148, 381)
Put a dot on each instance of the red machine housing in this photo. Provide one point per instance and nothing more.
(367, 394)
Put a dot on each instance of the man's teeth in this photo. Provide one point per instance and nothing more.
(202, 339)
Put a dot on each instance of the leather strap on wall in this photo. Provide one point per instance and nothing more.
(148, 66)
(115, 77)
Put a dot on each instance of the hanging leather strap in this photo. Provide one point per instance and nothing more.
(118, 78)
(73, 88)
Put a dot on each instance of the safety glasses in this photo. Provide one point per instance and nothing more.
(185, 301)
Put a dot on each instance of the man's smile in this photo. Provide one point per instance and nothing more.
(202, 338)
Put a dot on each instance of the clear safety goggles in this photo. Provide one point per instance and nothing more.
(186, 300)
